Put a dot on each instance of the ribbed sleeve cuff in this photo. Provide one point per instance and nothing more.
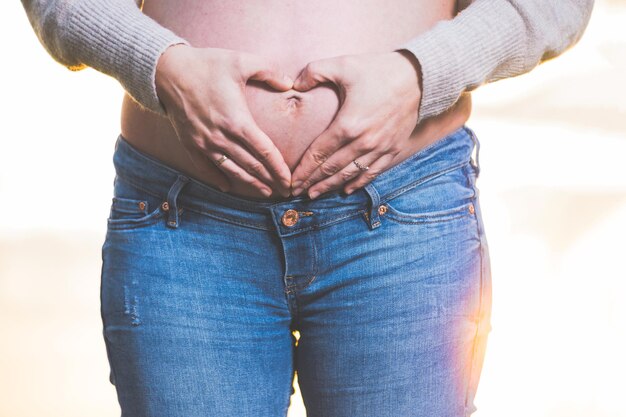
(458, 55)
(119, 40)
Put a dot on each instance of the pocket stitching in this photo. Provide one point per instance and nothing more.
(129, 205)
(431, 217)
(146, 220)
(124, 206)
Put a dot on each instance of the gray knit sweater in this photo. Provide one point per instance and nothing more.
(486, 41)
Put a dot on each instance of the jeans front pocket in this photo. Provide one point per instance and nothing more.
(131, 207)
(443, 197)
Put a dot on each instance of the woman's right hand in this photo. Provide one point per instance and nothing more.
(203, 93)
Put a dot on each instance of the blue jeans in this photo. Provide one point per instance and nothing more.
(389, 289)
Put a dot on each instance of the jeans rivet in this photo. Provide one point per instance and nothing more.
(165, 206)
(471, 208)
(290, 217)
(382, 209)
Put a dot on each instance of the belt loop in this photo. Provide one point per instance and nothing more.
(172, 195)
(373, 219)
(476, 163)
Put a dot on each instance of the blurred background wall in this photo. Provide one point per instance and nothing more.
(553, 191)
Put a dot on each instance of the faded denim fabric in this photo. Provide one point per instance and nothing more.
(389, 289)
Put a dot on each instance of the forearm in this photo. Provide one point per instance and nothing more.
(491, 40)
(112, 36)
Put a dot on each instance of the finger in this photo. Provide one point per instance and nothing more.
(342, 157)
(262, 148)
(233, 170)
(203, 163)
(317, 72)
(316, 154)
(255, 67)
(244, 159)
(344, 175)
(349, 172)
(375, 169)
(341, 131)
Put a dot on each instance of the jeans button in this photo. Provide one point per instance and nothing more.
(290, 217)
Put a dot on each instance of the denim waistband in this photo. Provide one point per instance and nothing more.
(155, 177)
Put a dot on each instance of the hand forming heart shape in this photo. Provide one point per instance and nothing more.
(379, 99)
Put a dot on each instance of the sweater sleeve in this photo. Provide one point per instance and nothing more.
(490, 40)
(112, 36)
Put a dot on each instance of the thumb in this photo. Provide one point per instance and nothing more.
(316, 72)
(261, 69)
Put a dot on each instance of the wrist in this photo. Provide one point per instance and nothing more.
(166, 68)
(417, 68)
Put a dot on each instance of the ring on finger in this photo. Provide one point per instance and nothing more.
(359, 166)
(350, 172)
(378, 165)
(221, 160)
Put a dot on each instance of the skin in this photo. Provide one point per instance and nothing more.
(352, 96)
(380, 95)
(372, 106)
(202, 114)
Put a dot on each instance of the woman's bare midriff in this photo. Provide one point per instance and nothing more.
(292, 34)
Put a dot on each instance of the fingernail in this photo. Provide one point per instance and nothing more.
(297, 191)
(266, 192)
(313, 194)
(296, 184)
(286, 184)
(349, 190)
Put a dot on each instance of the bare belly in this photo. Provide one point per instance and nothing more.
(292, 34)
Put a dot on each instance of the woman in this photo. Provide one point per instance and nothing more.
(215, 255)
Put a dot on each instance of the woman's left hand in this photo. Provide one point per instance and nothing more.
(379, 100)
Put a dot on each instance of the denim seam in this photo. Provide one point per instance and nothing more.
(254, 225)
(247, 204)
(113, 374)
(384, 199)
(145, 215)
(479, 317)
(315, 263)
(479, 226)
(236, 201)
(325, 224)
(468, 178)
(472, 368)
(419, 181)
(128, 225)
(155, 161)
(453, 215)
(419, 153)
(227, 219)
(298, 287)
(476, 164)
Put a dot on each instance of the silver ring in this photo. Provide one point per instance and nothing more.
(359, 166)
(221, 160)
